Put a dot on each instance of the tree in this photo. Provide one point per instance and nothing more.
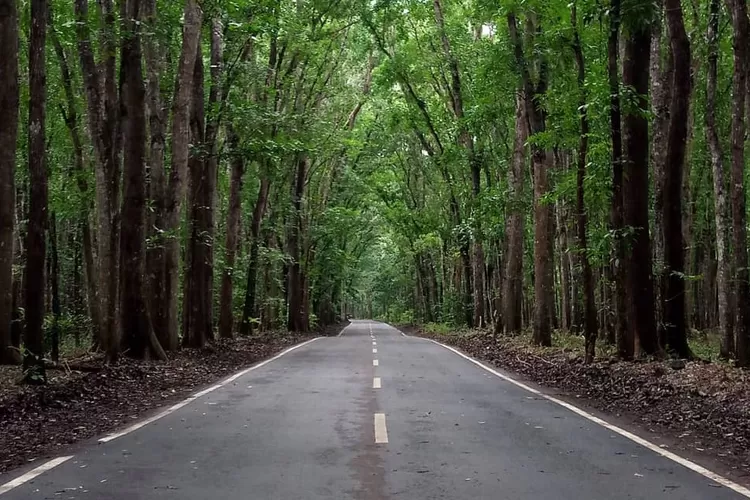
(33, 338)
(674, 248)
(638, 271)
(9, 100)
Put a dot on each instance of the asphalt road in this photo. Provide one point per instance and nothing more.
(326, 421)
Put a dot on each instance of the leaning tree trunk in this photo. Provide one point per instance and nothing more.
(36, 248)
(674, 251)
(512, 295)
(721, 210)
(9, 100)
(166, 322)
(640, 286)
(738, 11)
(138, 340)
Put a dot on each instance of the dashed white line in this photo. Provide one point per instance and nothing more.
(374, 343)
(381, 432)
(374, 351)
(727, 483)
(375, 362)
(376, 384)
(51, 464)
(197, 395)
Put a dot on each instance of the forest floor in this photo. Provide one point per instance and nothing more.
(36, 422)
(700, 409)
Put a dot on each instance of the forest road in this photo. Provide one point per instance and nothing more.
(369, 415)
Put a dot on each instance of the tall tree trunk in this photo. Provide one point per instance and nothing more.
(237, 165)
(102, 106)
(738, 11)
(154, 59)
(166, 323)
(139, 339)
(36, 248)
(70, 116)
(512, 295)
(197, 326)
(674, 247)
(9, 101)
(591, 326)
(661, 72)
(250, 311)
(721, 209)
(295, 321)
(640, 286)
(54, 278)
(540, 158)
(623, 333)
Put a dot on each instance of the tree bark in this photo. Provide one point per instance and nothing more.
(102, 106)
(591, 327)
(640, 286)
(623, 333)
(738, 12)
(54, 278)
(674, 247)
(166, 322)
(250, 311)
(9, 102)
(36, 248)
(226, 310)
(138, 340)
(721, 209)
(512, 295)
(295, 294)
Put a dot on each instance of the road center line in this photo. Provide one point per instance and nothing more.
(727, 483)
(374, 343)
(375, 362)
(381, 433)
(374, 351)
(376, 384)
(50, 464)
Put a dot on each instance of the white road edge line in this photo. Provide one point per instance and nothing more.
(50, 464)
(190, 399)
(381, 432)
(622, 432)
(375, 362)
(376, 384)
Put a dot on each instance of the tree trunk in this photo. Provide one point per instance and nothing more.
(102, 106)
(640, 286)
(295, 321)
(250, 311)
(139, 339)
(226, 310)
(591, 327)
(166, 323)
(9, 101)
(721, 210)
(661, 72)
(198, 285)
(54, 278)
(623, 333)
(512, 295)
(154, 59)
(738, 11)
(674, 247)
(36, 248)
